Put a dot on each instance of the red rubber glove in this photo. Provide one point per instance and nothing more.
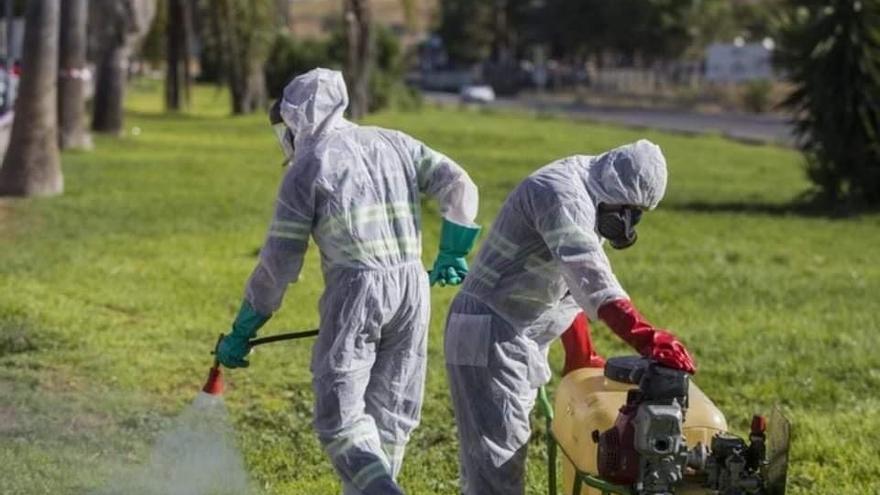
(578, 345)
(626, 321)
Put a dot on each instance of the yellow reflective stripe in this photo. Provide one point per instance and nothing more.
(370, 473)
(347, 441)
(287, 229)
(290, 226)
(553, 237)
(289, 235)
(367, 214)
(525, 298)
(384, 247)
(501, 244)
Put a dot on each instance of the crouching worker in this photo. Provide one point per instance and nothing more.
(540, 265)
(356, 191)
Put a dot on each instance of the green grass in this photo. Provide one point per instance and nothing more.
(112, 295)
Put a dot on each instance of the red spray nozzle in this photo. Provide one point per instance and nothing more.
(214, 385)
(759, 425)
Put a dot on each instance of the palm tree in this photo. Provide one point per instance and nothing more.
(178, 35)
(32, 165)
(73, 75)
(359, 59)
(119, 25)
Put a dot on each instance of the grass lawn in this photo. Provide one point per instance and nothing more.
(112, 295)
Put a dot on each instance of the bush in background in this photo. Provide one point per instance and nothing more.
(289, 57)
(757, 96)
(830, 51)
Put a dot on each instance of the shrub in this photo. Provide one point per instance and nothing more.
(830, 51)
(756, 95)
(289, 57)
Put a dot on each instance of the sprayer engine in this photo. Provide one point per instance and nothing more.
(646, 448)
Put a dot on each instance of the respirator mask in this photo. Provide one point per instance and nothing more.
(282, 132)
(617, 224)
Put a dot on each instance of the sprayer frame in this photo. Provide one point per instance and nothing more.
(581, 477)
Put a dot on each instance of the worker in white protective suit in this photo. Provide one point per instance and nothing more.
(356, 190)
(540, 265)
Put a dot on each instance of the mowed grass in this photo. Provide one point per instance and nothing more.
(112, 295)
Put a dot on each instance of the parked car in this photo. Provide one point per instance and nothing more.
(477, 93)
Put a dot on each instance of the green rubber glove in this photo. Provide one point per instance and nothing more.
(456, 242)
(234, 346)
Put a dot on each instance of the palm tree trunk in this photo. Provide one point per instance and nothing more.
(234, 23)
(32, 165)
(177, 75)
(110, 89)
(359, 61)
(73, 76)
(119, 26)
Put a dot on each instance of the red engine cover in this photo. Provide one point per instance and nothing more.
(618, 461)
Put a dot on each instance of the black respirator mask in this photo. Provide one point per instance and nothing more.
(282, 132)
(617, 224)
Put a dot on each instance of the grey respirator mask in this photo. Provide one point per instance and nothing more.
(617, 224)
(282, 132)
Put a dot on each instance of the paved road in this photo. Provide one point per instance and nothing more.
(770, 129)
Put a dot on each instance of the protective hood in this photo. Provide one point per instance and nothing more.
(314, 103)
(633, 174)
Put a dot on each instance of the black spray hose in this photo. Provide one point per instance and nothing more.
(282, 336)
(268, 340)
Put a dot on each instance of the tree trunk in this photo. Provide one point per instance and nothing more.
(359, 60)
(110, 90)
(117, 26)
(73, 76)
(32, 165)
(234, 24)
(177, 75)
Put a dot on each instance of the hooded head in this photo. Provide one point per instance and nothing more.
(622, 183)
(314, 103)
(633, 174)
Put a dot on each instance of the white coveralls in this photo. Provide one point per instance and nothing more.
(540, 264)
(356, 191)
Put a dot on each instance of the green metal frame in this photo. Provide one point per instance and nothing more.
(581, 478)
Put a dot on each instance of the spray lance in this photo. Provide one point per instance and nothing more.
(214, 384)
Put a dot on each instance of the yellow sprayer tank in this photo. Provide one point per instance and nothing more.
(586, 401)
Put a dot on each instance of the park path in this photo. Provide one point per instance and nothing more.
(758, 129)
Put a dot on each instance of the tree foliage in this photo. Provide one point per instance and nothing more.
(643, 29)
(290, 57)
(496, 30)
(239, 32)
(632, 30)
(830, 50)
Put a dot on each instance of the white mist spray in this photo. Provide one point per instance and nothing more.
(197, 455)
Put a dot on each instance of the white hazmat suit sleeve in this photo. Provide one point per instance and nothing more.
(445, 181)
(566, 229)
(281, 257)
